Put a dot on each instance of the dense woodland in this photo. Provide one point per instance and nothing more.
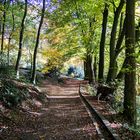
(41, 36)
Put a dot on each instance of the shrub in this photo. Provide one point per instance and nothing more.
(10, 95)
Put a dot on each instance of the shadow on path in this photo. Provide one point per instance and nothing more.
(63, 117)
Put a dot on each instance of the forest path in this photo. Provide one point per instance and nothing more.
(62, 117)
(66, 117)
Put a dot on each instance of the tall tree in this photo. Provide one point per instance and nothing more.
(102, 44)
(89, 53)
(130, 75)
(3, 26)
(10, 35)
(33, 78)
(112, 63)
(21, 40)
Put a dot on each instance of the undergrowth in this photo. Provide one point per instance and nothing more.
(10, 95)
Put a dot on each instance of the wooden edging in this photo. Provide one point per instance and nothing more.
(113, 135)
(95, 123)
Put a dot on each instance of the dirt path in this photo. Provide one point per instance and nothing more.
(67, 118)
(63, 117)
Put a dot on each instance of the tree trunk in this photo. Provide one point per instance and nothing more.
(120, 75)
(102, 45)
(0, 25)
(138, 79)
(137, 32)
(89, 71)
(95, 67)
(111, 73)
(118, 48)
(130, 75)
(21, 40)
(3, 26)
(121, 23)
(10, 37)
(33, 78)
(85, 70)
